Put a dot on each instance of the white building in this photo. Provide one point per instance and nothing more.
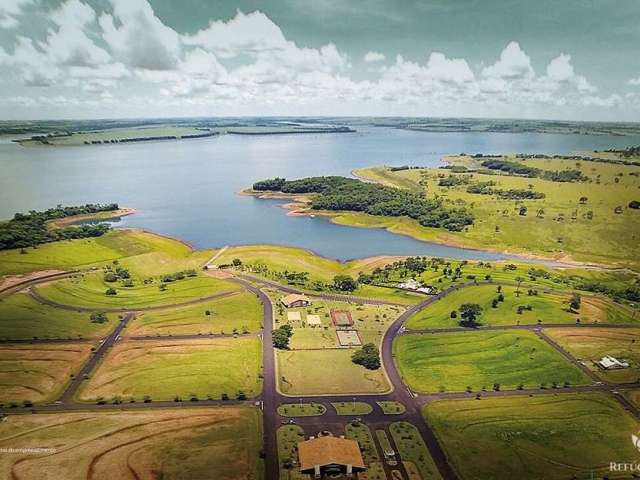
(610, 363)
(416, 286)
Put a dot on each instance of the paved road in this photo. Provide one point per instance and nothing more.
(87, 368)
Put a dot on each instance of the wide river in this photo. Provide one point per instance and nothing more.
(188, 189)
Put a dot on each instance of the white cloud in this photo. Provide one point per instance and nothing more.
(513, 64)
(9, 11)
(634, 81)
(140, 40)
(371, 57)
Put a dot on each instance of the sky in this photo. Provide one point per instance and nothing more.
(550, 59)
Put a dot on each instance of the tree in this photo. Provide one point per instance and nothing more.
(469, 312)
(368, 356)
(574, 302)
(522, 211)
(236, 262)
(98, 317)
(635, 204)
(111, 291)
(494, 303)
(501, 297)
(110, 277)
(281, 337)
(344, 283)
(583, 200)
(454, 314)
(519, 280)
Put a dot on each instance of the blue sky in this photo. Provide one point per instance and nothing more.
(569, 59)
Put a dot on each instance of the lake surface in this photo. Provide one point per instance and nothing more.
(188, 189)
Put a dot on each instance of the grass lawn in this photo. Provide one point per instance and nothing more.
(564, 228)
(241, 312)
(413, 450)
(88, 290)
(164, 369)
(633, 396)
(316, 372)
(352, 408)
(288, 437)
(272, 260)
(455, 361)
(371, 321)
(390, 407)
(144, 253)
(221, 443)
(22, 317)
(550, 436)
(547, 307)
(362, 434)
(590, 345)
(38, 373)
(301, 409)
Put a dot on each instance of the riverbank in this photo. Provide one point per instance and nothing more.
(90, 217)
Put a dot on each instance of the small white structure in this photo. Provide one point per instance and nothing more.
(611, 363)
(314, 320)
(416, 286)
(292, 316)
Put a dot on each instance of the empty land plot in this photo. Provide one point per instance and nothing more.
(89, 291)
(316, 372)
(590, 345)
(38, 373)
(456, 361)
(166, 369)
(241, 312)
(22, 317)
(547, 436)
(222, 443)
(348, 338)
(413, 450)
(546, 306)
(633, 396)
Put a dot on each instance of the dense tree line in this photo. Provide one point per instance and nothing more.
(347, 194)
(485, 188)
(516, 168)
(30, 229)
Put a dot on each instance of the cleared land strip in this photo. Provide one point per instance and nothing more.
(63, 306)
(16, 287)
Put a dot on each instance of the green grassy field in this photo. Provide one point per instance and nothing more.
(633, 396)
(221, 443)
(331, 372)
(88, 290)
(164, 369)
(352, 408)
(371, 321)
(241, 312)
(455, 361)
(288, 437)
(590, 345)
(21, 317)
(145, 254)
(111, 135)
(38, 373)
(362, 434)
(564, 436)
(270, 260)
(301, 409)
(391, 407)
(413, 450)
(604, 238)
(548, 307)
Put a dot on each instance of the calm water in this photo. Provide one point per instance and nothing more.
(188, 189)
